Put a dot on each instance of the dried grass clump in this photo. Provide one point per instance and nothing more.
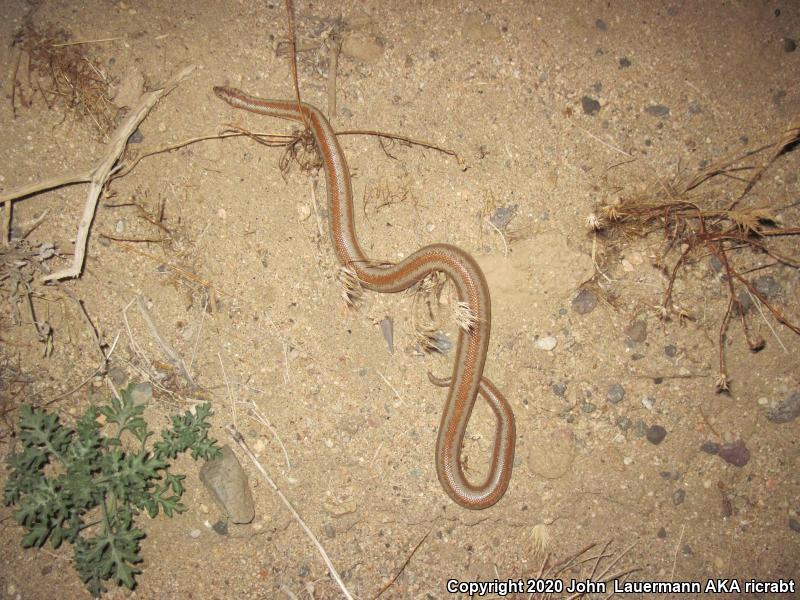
(715, 212)
(63, 74)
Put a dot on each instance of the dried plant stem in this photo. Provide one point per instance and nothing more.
(96, 176)
(237, 437)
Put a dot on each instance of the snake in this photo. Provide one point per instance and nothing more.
(467, 380)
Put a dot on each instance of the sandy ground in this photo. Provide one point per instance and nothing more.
(554, 107)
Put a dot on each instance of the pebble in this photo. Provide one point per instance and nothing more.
(767, 286)
(547, 342)
(387, 330)
(330, 531)
(787, 410)
(715, 264)
(119, 227)
(794, 524)
(710, 447)
(588, 407)
(141, 393)
(195, 533)
(303, 211)
(656, 434)
(559, 389)
(624, 423)
(503, 215)
(137, 137)
(601, 25)
(636, 331)
(590, 106)
(661, 533)
(220, 527)
(640, 428)
(584, 302)
(678, 496)
(696, 109)
(789, 45)
(624, 62)
(670, 351)
(227, 483)
(735, 453)
(657, 110)
(118, 376)
(615, 393)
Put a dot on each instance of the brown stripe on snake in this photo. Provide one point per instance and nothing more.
(467, 378)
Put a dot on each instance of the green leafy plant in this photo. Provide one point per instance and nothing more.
(86, 485)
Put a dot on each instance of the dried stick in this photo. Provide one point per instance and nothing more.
(403, 566)
(237, 437)
(166, 347)
(96, 176)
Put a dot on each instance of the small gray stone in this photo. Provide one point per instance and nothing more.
(329, 530)
(767, 286)
(546, 343)
(227, 483)
(661, 533)
(787, 410)
(670, 351)
(118, 376)
(137, 137)
(588, 407)
(715, 264)
(601, 25)
(710, 447)
(678, 496)
(559, 389)
(640, 428)
(636, 331)
(648, 402)
(657, 110)
(142, 393)
(789, 45)
(195, 533)
(503, 215)
(615, 393)
(624, 62)
(656, 434)
(220, 527)
(735, 453)
(696, 109)
(794, 524)
(590, 105)
(584, 302)
(623, 422)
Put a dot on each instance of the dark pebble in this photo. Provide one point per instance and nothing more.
(735, 453)
(590, 105)
(303, 571)
(503, 215)
(656, 434)
(588, 407)
(715, 264)
(657, 110)
(137, 137)
(601, 25)
(687, 550)
(662, 533)
(221, 527)
(695, 109)
(785, 411)
(559, 389)
(767, 286)
(794, 524)
(789, 45)
(710, 447)
(615, 393)
(670, 351)
(636, 331)
(623, 423)
(778, 96)
(678, 496)
(624, 62)
(584, 302)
